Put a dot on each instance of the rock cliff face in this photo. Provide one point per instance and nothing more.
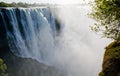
(17, 66)
(111, 62)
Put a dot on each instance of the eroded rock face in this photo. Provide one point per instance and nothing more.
(111, 62)
(29, 67)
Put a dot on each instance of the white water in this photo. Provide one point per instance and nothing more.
(75, 49)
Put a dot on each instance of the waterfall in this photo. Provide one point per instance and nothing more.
(30, 32)
(58, 37)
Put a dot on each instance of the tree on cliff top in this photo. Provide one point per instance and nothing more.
(107, 16)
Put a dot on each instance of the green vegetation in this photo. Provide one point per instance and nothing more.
(3, 4)
(107, 16)
(111, 62)
(3, 68)
(19, 4)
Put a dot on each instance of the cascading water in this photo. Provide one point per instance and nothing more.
(29, 32)
(33, 33)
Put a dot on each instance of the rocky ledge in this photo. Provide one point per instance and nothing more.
(111, 62)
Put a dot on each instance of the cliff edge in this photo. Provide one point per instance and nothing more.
(111, 61)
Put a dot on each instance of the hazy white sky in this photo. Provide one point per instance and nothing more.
(49, 1)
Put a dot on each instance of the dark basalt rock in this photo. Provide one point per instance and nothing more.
(58, 25)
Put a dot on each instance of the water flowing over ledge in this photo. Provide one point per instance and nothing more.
(30, 32)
